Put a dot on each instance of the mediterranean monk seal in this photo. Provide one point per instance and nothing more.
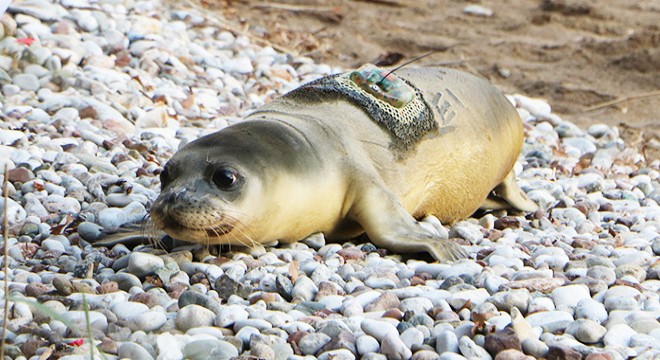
(364, 151)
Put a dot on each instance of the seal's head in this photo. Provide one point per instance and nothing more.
(213, 189)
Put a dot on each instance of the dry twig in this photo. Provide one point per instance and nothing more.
(293, 8)
(623, 99)
(397, 3)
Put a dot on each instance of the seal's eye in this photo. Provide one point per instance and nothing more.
(164, 177)
(226, 179)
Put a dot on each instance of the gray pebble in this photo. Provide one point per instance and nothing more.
(78, 319)
(377, 329)
(411, 337)
(467, 230)
(478, 10)
(130, 350)
(315, 241)
(547, 318)
(143, 264)
(53, 245)
(635, 271)
(586, 331)
(310, 344)
(304, 289)
(567, 297)
(193, 316)
(644, 341)
(147, 321)
(246, 333)
(26, 81)
(613, 303)
(505, 300)
(619, 335)
(603, 273)
(337, 354)
(230, 314)
(15, 212)
(373, 356)
(125, 310)
(259, 324)
(425, 354)
(112, 218)
(126, 281)
(366, 344)
(394, 348)
(535, 347)
(451, 356)
(209, 349)
(470, 349)
(416, 305)
(446, 341)
(592, 310)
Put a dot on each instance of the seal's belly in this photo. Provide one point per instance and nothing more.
(479, 137)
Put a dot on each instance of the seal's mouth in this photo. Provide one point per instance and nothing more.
(176, 227)
(220, 230)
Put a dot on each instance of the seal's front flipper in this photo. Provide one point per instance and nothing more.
(387, 224)
(508, 195)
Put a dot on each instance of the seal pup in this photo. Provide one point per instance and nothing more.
(365, 151)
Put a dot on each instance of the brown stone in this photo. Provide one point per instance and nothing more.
(417, 280)
(262, 351)
(80, 287)
(36, 289)
(326, 288)
(88, 112)
(502, 340)
(425, 355)
(351, 253)
(384, 302)
(512, 354)
(558, 352)
(226, 286)
(599, 356)
(20, 174)
(108, 287)
(344, 340)
(583, 243)
(544, 285)
(175, 290)
(63, 285)
(200, 278)
(149, 299)
(294, 339)
(267, 297)
(393, 313)
(446, 316)
(108, 346)
(507, 222)
(30, 347)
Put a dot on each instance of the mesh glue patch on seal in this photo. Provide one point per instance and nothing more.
(394, 103)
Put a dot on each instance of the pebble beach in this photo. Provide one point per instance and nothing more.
(97, 95)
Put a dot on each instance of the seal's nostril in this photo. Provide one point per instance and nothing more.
(169, 197)
(179, 195)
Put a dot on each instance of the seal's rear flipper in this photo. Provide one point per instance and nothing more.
(508, 195)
